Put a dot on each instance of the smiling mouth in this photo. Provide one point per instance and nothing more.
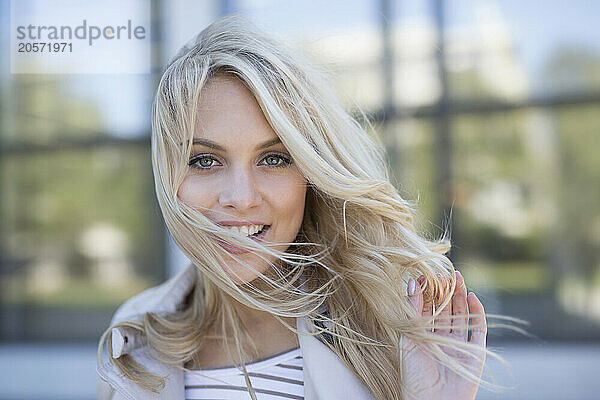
(260, 234)
(264, 229)
(257, 236)
(248, 230)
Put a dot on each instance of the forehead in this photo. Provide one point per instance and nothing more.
(228, 112)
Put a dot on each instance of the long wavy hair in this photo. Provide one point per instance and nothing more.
(357, 246)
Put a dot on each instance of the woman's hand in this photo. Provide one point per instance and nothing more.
(424, 377)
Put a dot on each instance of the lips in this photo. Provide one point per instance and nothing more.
(237, 250)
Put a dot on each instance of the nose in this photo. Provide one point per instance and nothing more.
(240, 191)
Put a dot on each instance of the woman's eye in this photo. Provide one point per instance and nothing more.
(208, 161)
(276, 160)
(203, 162)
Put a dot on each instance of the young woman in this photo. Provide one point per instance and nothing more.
(309, 279)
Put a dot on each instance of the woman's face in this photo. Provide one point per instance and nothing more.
(241, 176)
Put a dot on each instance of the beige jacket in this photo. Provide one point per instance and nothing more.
(325, 375)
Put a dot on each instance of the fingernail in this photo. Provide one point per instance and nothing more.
(411, 287)
(458, 273)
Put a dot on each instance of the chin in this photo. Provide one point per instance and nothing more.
(241, 275)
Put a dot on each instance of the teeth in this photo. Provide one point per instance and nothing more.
(246, 230)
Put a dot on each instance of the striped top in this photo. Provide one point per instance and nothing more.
(279, 376)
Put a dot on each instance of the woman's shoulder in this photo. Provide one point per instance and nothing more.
(164, 298)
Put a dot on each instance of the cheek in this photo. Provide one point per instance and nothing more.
(291, 194)
(194, 194)
(299, 202)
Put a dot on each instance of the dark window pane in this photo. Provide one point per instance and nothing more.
(410, 149)
(80, 234)
(528, 215)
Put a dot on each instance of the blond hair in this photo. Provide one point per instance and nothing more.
(357, 246)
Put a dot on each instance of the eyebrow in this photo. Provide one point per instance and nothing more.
(213, 145)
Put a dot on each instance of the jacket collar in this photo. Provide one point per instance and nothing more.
(161, 299)
(325, 375)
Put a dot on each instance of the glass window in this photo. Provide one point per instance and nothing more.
(80, 230)
(528, 214)
(512, 50)
(343, 37)
(414, 42)
(87, 107)
(80, 234)
(409, 144)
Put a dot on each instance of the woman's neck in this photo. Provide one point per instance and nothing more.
(270, 336)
